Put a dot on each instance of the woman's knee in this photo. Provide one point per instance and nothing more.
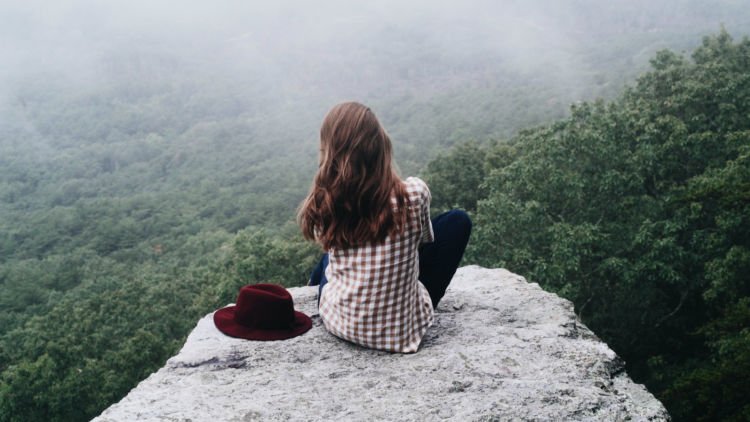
(461, 220)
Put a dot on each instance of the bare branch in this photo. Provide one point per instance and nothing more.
(669, 315)
(580, 310)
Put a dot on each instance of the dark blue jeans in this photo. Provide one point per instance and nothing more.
(438, 261)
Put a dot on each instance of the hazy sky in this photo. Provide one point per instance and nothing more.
(75, 35)
(335, 49)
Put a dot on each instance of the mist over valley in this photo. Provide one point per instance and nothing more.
(153, 154)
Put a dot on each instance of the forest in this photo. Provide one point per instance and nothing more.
(611, 166)
(637, 210)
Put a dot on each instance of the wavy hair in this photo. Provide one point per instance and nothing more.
(349, 203)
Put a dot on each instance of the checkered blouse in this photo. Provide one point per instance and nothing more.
(373, 297)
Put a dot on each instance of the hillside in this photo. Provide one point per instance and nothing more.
(148, 169)
(637, 210)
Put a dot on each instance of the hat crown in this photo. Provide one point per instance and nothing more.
(262, 312)
(264, 306)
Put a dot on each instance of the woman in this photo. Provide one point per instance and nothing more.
(387, 265)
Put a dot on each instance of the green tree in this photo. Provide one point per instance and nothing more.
(637, 210)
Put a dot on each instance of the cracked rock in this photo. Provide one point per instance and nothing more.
(501, 349)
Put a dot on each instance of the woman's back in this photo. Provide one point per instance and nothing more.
(373, 296)
(378, 287)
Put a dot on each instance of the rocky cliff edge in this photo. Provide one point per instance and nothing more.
(500, 349)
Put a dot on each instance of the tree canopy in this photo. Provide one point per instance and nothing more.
(131, 208)
(638, 210)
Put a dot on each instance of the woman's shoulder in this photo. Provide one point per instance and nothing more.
(417, 187)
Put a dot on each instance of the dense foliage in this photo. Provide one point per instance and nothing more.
(638, 211)
(134, 203)
(131, 210)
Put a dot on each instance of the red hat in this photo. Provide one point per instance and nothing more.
(262, 312)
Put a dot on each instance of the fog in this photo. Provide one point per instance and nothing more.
(299, 58)
(281, 41)
(289, 39)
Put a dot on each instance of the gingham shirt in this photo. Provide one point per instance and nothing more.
(373, 297)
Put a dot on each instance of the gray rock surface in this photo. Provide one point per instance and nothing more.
(500, 349)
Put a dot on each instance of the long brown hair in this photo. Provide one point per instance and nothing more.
(350, 200)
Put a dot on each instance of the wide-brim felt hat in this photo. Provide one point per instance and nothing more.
(262, 312)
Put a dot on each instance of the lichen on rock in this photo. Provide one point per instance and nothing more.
(500, 349)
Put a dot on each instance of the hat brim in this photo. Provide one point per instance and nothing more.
(224, 321)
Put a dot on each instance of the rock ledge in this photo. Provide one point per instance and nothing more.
(500, 349)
